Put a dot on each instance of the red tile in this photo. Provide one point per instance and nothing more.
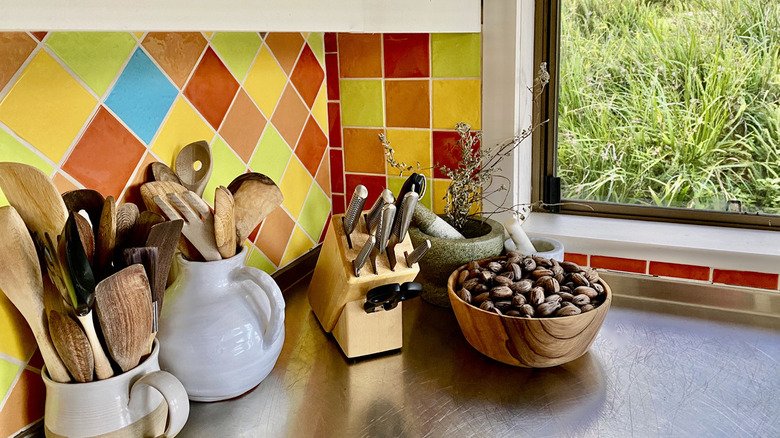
(374, 183)
(334, 124)
(24, 405)
(332, 68)
(339, 205)
(325, 229)
(39, 35)
(243, 126)
(311, 146)
(15, 47)
(211, 88)
(285, 46)
(36, 361)
(580, 259)
(274, 235)
(336, 170)
(290, 116)
(745, 278)
(407, 104)
(406, 55)
(446, 151)
(307, 76)
(106, 155)
(619, 264)
(677, 270)
(360, 55)
(331, 42)
(253, 235)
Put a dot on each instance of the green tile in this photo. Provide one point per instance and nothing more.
(96, 57)
(260, 261)
(395, 183)
(8, 373)
(226, 167)
(315, 212)
(317, 44)
(237, 50)
(456, 55)
(13, 150)
(271, 155)
(362, 103)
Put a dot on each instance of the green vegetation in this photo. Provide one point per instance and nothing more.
(671, 102)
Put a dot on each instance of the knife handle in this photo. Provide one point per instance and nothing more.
(376, 210)
(385, 226)
(418, 253)
(352, 215)
(404, 217)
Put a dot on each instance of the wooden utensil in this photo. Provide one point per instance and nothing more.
(193, 166)
(224, 224)
(88, 200)
(158, 188)
(198, 221)
(255, 196)
(87, 237)
(72, 345)
(34, 197)
(20, 280)
(106, 239)
(161, 172)
(127, 215)
(164, 237)
(123, 304)
(146, 220)
(148, 258)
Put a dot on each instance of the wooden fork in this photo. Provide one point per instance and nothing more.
(198, 221)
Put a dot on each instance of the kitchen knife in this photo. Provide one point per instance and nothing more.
(376, 210)
(401, 225)
(360, 260)
(382, 234)
(418, 253)
(352, 216)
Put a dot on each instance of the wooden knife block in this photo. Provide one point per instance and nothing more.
(334, 285)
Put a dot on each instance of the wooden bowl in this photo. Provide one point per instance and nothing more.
(527, 342)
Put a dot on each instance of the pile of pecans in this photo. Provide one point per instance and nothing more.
(530, 287)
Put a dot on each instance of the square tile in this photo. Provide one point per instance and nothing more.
(316, 211)
(362, 103)
(17, 341)
(457, 100)
(25, 404)
(395, 183)
(311, 146)
(456, 55)
(332, 69)
(274, 234)
(142, 96)
(271, 156)
(105, 156)
(363, 152)
(46, 106)
(406, 55)
(183, 126)
(331, 42)
(336, 170)
(360, 55)
(265, 81)
(307, 76)
(446, 151)
(237, 50)
(211, 88)
(298, 245)
(295, 187)
(439, 195)
(408, 104)
(15, 47)
(258, 260)
(412, 147)
(285, 47)
(226, 167)
(176, 52)
(334, 124)
(243, 126)
(374, 183)
(290, 116)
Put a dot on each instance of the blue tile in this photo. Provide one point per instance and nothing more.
(142, 96)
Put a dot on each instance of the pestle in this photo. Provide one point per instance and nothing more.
(431, 224)
(520, 239)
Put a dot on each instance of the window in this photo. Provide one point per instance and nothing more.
(661, 109)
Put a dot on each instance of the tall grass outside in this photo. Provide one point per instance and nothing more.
(671, 102)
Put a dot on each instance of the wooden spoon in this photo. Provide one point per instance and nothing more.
(194, 165)
(20, 280)
(148, 258)
(106, 239)
(224, 223)
(255, 196)
(164, 237)
(158, 188)
(123, 303)
(146, 220)
(72, 345)
(126, 217)
(34, 197)
(87, 237)
(88, 200)
(161, 172)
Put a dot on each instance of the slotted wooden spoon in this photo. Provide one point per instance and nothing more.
(193, 166)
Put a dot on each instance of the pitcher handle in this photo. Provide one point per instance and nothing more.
(268, 286)
(174, 394)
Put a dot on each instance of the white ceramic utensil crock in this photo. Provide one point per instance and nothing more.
(222, 326)
(129, 405)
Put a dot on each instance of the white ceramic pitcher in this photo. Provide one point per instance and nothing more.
(130, 405)
(222, 325)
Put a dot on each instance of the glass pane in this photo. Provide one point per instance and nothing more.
(671, 103)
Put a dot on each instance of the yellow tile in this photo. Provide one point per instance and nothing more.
(298, 245)
(226, 166)
(265, 81)
(439, 194)
(183, 126)
(139, 35)
(208, 35)
(411, 147)
(457, 100)
(295, 187)
(258, 260)
(320, 109)
(17, 340)
(13, 150)
(47, 107)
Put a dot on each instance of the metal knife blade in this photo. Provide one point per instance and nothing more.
(384, 227)
(352, 215)
(401, 225)
(418, 253)
(376, 210)
(362, 256)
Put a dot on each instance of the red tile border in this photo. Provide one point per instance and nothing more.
(332, 75)
(580, 259)
(745, 278)
(677, 270)
(339, 204)
(336, 170)
(619, 264)
(331, 42)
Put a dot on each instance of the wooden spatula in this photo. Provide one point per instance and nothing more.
(88, 200)
(146, 220)
(123, 304)
(158, 188)
(127, 215)
(106, 239)
(255, 196)
(193, 166)
(161, 172)
(198, 221)
(72, 345)
(34, 197)
(164, 237)
(224, 224)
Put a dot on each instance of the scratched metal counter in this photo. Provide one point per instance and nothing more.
(646, 375)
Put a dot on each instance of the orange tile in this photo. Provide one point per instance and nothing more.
(745, 278)
(363, 153)
(211, 88)
(360, 55)
(619, 264)
(408, 104)
(323, 175)
(276, 231)
(15, 47)
(39, 35)
(106, 155)
(243, 126)
(25, 404)
(311, 146)
(175, 52)
(63, 184)
(133, 192)
(677, 270)
(290, 116)
(580, 259)
(285, 46)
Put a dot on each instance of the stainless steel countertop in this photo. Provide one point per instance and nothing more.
(646, 375)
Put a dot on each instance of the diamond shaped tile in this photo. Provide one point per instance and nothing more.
(106, 155)
(183, 126)
(271, 156)
(311, 146)
(274, 234)
(176, 52)
(265, 81)
(307, 76)
(24, 405)
(95, 57)
(237, 50)
(290, 116)
(15, 47)
(46, 106)
(297, 246)
(211, 88)
(316, 41)
(315, 212)
(227, 166)
(285, 47)
(258, 260)
(323, 174)
(17, 340)
(63, 183)
(133, 191)
(295, 187)
(243, 126)
(39, 35)
(142, 96)
(320, 109)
